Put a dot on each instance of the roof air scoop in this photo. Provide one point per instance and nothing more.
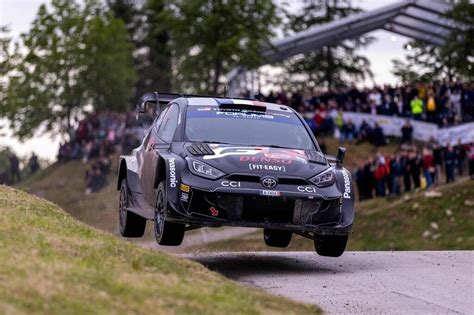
(198, 149)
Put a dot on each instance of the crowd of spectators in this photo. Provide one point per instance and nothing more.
(411, 169)
(445, 104)
(96, 137)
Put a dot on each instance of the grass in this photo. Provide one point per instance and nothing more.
(54, 264)
(64, 184)
(414, 222)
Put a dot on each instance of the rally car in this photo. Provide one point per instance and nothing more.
(215, 161)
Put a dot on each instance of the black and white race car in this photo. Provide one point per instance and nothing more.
(211, 162)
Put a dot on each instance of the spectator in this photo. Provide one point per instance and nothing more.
(460, 153)
(378, 136)
(14, 169)
(471, 160)
(431, 107)
(415, 168)
(416, 105)
(388, 107)
(380, 175)
(365, 132)
(438, 160)
(395, 176)
(449, 163)
(347, 132)
(33, 163)
(428, 166)
(407, 132)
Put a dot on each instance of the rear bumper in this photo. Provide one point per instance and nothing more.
(295, 213)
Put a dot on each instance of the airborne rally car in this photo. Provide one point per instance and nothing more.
(211, 162)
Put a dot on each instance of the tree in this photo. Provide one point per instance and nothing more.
(459, 48)
(426, 62)
(148, 26)
(212, 37)
(332, 65)
(453, 59)
(75, 56)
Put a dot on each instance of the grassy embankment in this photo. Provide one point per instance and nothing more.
(54, 264)
(413, 222)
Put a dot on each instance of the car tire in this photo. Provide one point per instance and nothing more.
(166, 233)
(330, 245)
(130, 224)
(277, 238)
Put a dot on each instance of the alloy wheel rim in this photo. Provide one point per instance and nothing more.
(122, 208)
(159, 217)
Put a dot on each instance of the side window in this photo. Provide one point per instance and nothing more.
(169, 124)
(159, 120)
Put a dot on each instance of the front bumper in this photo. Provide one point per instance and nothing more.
(290, 208)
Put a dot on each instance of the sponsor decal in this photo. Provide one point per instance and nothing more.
(347, 186)
(272, 193)
(306, 189)
(266, 167)
(244, 115)
(296, 155)
(227, 183)
(172, 167)
(184, 188)
(214, 211)
(265, 159)
(184, 197)
(221, 152)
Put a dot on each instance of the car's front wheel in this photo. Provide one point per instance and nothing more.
(130, 224)
(277, 238)
(330, 245)
(166, 233)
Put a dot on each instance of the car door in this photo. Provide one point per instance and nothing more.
(161, 137)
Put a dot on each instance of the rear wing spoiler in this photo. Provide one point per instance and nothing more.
(157, 98)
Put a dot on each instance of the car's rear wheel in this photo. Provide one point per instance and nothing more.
(130, 224)
(166, 233)
(277, 238)
(330, 245)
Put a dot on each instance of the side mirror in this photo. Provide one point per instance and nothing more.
(341, 152)
(144, 101)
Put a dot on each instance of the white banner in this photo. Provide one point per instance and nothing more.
(422, 131)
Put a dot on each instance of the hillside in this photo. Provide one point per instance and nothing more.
(413, 222)
(64, 184)
(53, 264)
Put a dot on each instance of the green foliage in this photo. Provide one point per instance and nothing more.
(455, 58)
(459, 47)
(212, 37)
(332, 65)
(73, 56)
(149, 27)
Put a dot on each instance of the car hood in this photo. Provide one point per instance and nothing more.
(259, 160)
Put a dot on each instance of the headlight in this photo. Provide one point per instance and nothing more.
(202, 169)
(324, 179)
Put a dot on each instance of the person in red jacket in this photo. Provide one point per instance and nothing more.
(380, 173)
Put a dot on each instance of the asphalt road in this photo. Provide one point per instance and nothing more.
(437, 282)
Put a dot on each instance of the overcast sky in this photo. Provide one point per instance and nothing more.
(18, 15)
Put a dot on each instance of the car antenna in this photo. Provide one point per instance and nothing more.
(225, 90)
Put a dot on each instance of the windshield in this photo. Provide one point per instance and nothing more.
(244, 127)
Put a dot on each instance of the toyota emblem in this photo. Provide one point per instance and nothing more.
(269, 182)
